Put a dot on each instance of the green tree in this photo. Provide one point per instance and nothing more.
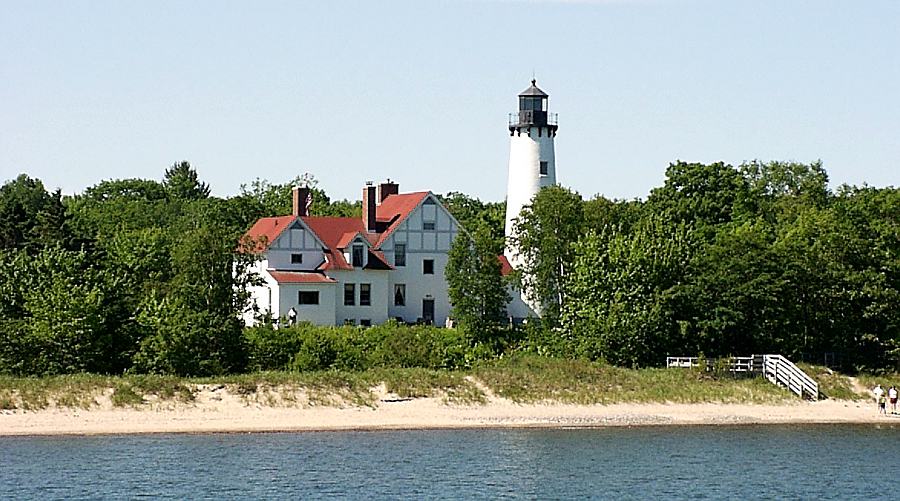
(472, 212)
(181, 182)
(113, 206)
(736, 293)
(476, 288)
(622, 286)
(194, 327)
(55, 318)
(700, 194)
(601, 213)
(544, 233)
(188, 342)
(778, 190)
(30, 217)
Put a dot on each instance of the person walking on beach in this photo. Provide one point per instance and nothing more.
(892, 397)
(879, 397)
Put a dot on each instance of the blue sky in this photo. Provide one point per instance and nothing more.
(419, 91)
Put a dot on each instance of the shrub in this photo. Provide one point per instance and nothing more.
(189, 343)
(271, 349)
(418, 346)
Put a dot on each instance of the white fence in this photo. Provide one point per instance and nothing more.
(734, 364)
(775, 368)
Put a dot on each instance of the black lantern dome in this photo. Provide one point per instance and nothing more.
(533, 110)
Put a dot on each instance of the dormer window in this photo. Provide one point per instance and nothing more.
(358, 253)
(296, 258)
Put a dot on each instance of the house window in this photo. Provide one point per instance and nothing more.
(296, 258)
(428, 266)
(428, 201)
(543, 168)
(365, 294)
(399, 254)
(357, 256)
(428, 225)
(399, 294)
(365, 322)
(349, 294)
(308, 297)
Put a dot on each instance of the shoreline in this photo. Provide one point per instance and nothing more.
(236, 416)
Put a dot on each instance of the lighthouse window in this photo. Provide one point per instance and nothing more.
(543, 168)
(532, 104)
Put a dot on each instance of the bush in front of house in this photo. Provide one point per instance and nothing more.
(307, 347)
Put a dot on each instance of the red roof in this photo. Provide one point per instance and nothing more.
(337, 232)
(330, 231)
(394, 210)
(266, 230)
(347, 238)
(300, 277)
(505, 267)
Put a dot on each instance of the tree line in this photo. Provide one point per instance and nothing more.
(143, 275)
(131, 275)
(720, 261)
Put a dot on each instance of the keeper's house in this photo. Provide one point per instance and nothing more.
(343, 270)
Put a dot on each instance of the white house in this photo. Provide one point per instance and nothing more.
(343, 270)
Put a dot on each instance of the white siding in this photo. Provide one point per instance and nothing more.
(526, 151)
(377, 312)
(296, 240)
(422, 245)
(321, 314)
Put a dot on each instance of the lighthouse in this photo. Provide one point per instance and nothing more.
(532, 163)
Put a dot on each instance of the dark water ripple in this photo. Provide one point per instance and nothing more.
(745, 462)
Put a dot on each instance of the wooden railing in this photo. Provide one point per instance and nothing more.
(775, 368)
(782, 371)
(733, 364)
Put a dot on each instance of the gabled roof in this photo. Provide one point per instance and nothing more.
(394, 210)
(300, 277)
(348, 238)
(337, 233)
(333, 231)
(266, 230)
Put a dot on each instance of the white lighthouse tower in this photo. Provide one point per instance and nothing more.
(532, 163)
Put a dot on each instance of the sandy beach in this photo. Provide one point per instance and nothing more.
(217, 410)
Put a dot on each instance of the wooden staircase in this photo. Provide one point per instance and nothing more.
(776, 369)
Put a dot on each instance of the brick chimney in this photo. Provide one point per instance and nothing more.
(301, 201)
(368, 207)
(386, 189)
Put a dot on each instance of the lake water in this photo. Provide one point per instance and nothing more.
(760, 462)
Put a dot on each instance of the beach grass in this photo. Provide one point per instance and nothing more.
(520, 378)
(538, 379)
